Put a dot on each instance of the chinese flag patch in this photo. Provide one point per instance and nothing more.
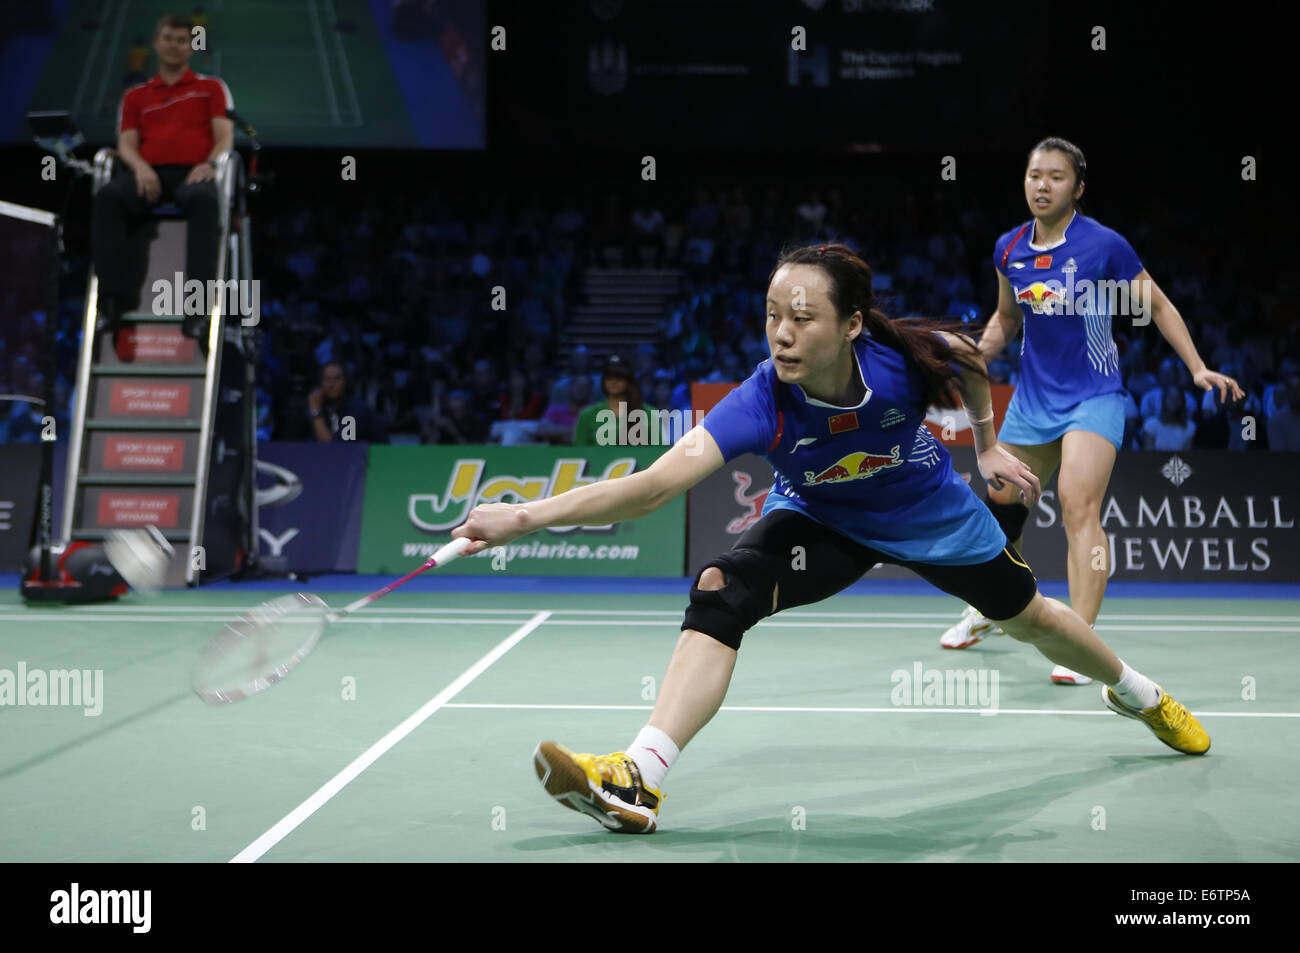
(842, 422)
(1043, 261)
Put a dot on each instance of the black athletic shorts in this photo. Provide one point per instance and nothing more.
(1000, 588)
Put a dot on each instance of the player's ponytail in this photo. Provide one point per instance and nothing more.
(927, 354)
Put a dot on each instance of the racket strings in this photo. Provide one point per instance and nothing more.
(259, 649)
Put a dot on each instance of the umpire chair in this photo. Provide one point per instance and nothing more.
(164, 426)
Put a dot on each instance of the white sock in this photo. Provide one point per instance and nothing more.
(1135, 689)
(654, 753)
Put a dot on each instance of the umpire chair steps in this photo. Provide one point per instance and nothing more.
(164, 427)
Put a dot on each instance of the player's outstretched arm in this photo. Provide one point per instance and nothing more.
(688, 462)
(1170, 323)
(996, 465)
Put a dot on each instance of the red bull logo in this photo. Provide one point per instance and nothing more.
(753, 504)
(1041, 298)
(855, 466)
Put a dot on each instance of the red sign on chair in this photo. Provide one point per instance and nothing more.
(157, 345)
(138, 398)
(160, 454)
(129, 508)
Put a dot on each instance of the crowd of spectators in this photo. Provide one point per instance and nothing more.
(446, 310)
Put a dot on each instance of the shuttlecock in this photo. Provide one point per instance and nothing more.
(140, 556)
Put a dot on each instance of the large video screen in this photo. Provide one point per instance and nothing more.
(345, 73)
(814, 74)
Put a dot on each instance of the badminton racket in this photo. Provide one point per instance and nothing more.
(261, 647)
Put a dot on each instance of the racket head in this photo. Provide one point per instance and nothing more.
(259, 649)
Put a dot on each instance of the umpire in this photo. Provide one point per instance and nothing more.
(170, 132)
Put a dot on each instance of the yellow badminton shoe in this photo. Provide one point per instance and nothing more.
(1171, 722)
(606, 787)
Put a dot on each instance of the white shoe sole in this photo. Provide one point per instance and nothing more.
(1063, 676)
(565, 781)
(978, 632)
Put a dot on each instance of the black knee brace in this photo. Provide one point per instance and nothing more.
(749, 579)
(1010, 516)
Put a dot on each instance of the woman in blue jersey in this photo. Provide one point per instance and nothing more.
(837, 411)
(1066, 278)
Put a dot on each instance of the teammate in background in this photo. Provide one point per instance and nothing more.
(170, 132)
(1068, 410)
(838, 412)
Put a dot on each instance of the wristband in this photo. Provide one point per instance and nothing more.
(981, 420)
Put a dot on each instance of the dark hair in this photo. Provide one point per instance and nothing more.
(632, 396)
(347, 378)
(176, 22)
(928, 355)
(1071, 151)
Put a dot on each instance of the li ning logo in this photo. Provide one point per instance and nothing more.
(893, 417)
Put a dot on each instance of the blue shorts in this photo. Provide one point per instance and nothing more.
(1025, 426)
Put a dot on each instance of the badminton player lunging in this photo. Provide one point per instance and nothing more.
(837, 411)
(1055, 275)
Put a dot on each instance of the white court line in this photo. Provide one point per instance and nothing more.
(867, 624)
(770, 623)
(307, 808)
(234, 613)
(670, 613)
(875, 711)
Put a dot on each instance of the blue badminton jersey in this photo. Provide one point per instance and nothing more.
(1067, 295)
(873, 472)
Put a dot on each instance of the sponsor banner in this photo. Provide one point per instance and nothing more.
(20, 477)
(415, 496)
(723, 506)
(1197, 516)
(704, 397)
(309, 498)
(952, 427)
(1194, 516)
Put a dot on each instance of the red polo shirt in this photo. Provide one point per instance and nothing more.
(175, 122)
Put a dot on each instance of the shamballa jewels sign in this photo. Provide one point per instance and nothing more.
(415, 496)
